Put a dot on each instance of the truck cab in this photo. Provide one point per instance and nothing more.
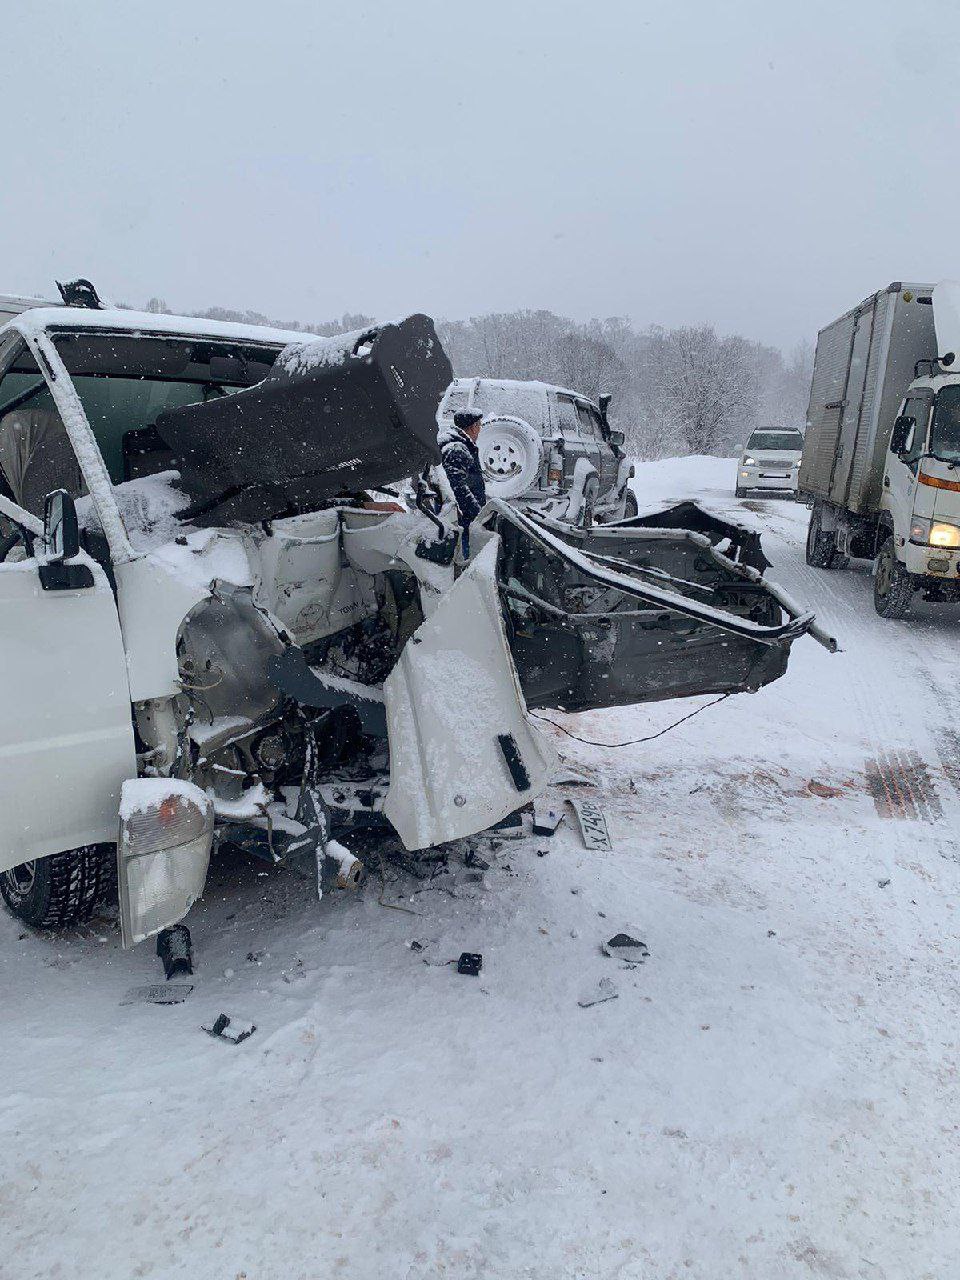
(881, 458)
(921, 482)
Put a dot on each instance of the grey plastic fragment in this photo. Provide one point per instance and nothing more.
(158, 994)
(598, 993)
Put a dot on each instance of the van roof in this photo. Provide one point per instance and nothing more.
(36, 319)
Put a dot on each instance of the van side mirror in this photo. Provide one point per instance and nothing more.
(61, 532)
(617, 438)
(901, 433)
(61, 542)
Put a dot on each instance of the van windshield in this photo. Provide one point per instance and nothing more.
(945, 432)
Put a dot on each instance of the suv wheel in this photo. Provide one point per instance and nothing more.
(892, 584)
(62, 890)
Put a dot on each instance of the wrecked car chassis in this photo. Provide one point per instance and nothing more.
(238, 652)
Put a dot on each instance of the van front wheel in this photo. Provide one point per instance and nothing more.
(62, 890)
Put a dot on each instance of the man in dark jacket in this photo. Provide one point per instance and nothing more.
(461, 462)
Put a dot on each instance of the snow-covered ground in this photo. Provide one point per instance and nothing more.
(772, 1094)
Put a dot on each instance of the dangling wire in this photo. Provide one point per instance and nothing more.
(633, 741)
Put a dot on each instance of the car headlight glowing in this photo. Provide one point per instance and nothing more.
(749, 462)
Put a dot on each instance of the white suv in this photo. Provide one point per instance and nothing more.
(770, 461)
(547, 447)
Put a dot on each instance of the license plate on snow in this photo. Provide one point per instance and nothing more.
(593, 825)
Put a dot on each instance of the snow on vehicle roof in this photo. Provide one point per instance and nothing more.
(37, 320)
(310, 352)
(516, 384)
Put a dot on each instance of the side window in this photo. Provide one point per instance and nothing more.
(589, 423)
(918, 408)
(35, 451)
(567, 416)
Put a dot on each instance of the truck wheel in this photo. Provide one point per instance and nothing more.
(62, 890)
(892, 585)
(821, 550)
(631, 508)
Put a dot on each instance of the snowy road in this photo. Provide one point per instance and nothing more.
(772, 1094)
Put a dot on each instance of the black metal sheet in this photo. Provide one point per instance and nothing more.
(315, 428)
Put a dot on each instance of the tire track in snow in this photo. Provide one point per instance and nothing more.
(898, 777)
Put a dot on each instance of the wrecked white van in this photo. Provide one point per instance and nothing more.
(207, 626)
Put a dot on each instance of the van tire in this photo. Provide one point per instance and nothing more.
(62, 890)
(893, 588)
(821, 549)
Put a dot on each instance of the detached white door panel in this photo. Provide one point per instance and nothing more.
(66, 737)
(463, 753)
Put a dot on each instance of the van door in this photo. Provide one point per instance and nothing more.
(66, 734)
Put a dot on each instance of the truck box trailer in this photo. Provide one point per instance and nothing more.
(881, 456)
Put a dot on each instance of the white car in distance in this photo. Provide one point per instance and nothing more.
(770, 462)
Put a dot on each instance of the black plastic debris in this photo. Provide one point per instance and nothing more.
(623, 947)
(471, 962)
(511, 823)
(473, 859)
(546, 819)
(236, 1030)
(175, 950)
(158, 994)
(882, 884)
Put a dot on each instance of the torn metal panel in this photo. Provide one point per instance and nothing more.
(588, 632)
(738, 541)
(449, 699)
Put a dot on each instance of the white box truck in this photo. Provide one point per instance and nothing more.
(881, 457)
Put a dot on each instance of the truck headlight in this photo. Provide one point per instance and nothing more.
(934, 533)
(749, 462)
(944, 535)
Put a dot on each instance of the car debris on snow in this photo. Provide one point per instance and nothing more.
(470, 962)
(175, 949)
(158, 993)
(236, 1030)
(597, 993)
(593, 824)
(624, 947)
(546, 819)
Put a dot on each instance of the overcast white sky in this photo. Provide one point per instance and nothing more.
(761, 166)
